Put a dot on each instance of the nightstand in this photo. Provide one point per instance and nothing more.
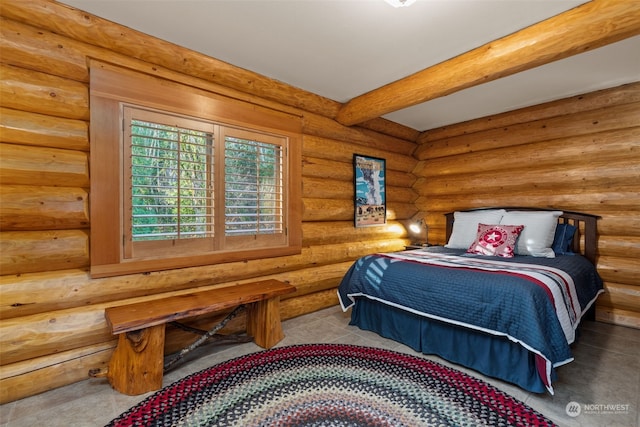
(416, 246)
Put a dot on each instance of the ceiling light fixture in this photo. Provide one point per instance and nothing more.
(400, 3)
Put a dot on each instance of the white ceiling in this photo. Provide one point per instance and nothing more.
(343, 48)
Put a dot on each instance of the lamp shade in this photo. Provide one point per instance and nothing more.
(415, 227)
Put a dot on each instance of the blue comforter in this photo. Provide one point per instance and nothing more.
(497, 301)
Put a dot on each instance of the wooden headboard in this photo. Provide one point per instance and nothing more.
(586, 225)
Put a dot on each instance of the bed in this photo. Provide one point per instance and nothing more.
(507, 305)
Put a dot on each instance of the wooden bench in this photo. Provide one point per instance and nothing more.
(137, 364)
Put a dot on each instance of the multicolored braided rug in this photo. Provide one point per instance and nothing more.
(330, 385)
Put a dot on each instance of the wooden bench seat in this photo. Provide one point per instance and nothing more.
(137, 363)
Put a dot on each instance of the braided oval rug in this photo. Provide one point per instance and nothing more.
(330, 385)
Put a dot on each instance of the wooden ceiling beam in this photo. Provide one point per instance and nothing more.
(586, 27)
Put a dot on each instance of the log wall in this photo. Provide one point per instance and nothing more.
(579, 154)
(52, 327)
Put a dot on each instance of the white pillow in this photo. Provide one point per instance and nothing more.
(465, 226)
(539, 229)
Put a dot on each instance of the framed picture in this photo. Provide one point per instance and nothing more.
(370, 191)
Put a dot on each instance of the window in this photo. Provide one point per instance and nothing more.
(194, 182)
(253, 187)
(168, 183)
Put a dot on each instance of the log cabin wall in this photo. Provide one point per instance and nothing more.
(576, 154)
(52, 328)
(579, 154)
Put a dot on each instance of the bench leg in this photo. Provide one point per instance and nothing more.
(263, 322)
(136, 365)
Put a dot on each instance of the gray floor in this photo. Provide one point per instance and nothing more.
(604, 379)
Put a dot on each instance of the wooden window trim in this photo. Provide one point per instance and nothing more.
(110, 86)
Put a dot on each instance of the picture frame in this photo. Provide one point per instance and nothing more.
(369, 181)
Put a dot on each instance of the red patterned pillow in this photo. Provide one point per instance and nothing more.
(496, 240)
